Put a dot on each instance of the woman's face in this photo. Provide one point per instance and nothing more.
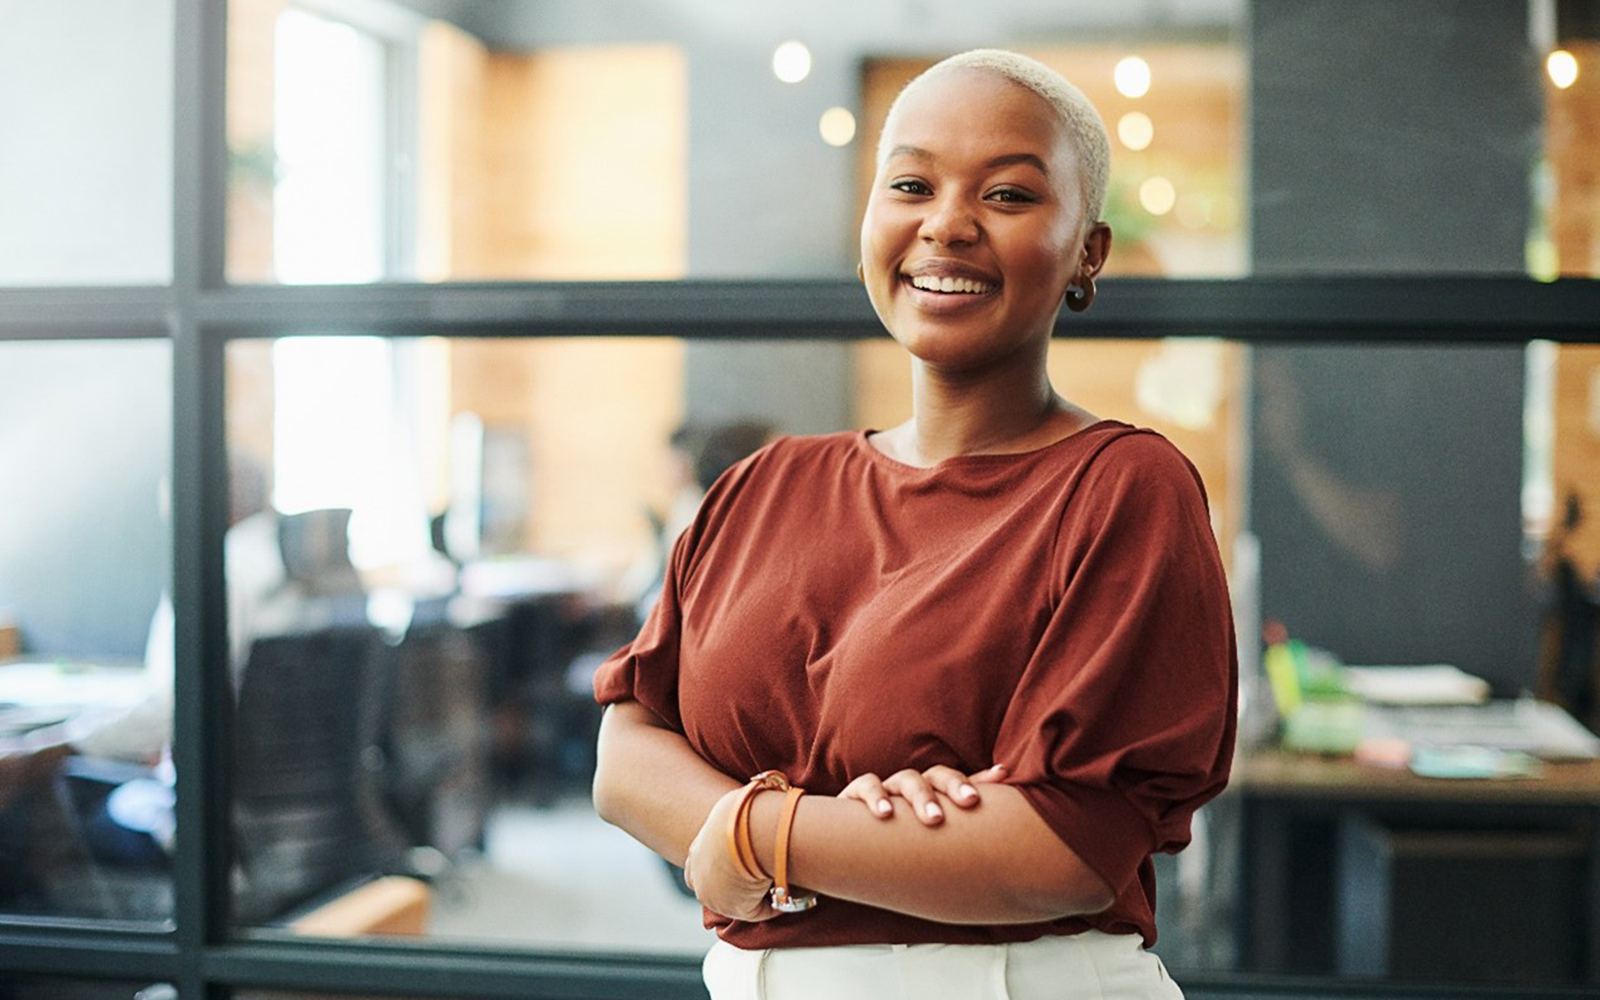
(975, 224)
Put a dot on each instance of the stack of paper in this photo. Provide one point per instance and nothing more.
(1432, 684)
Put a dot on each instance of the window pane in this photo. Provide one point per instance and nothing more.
(416, 603)
(542, 142)
(414, 650)
(85, 630)
(86, 168)
(537, 141)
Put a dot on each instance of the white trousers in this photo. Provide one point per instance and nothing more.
(1087, 966)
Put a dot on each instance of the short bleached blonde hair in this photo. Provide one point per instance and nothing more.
(1084, 125)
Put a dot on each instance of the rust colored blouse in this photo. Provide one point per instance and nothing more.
(1063, 611)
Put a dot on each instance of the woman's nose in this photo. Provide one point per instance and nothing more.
(949, 222)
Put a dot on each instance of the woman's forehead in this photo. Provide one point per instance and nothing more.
(963, 112)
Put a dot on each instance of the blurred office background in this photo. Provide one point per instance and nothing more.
(434, 539)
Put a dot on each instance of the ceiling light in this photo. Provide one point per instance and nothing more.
(791, 62)
(1132, 77)
(838, 126)
(1562, 67)
(1135, 130)
(1157, 195)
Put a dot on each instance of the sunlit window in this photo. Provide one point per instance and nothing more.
(338, 442)
(329, 121)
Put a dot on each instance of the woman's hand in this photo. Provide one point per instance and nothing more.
(921, 790)
(718, 880)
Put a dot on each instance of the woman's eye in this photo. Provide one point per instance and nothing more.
(910, 186)
(1011, 195)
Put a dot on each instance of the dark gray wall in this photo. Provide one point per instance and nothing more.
(748, 218)
(1388, 138)
(1391, 137)
(85, 437)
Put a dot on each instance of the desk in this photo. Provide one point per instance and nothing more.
(44, 703)
(1304, 820)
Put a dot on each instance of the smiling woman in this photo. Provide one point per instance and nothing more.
(963, 668)
(982, 222)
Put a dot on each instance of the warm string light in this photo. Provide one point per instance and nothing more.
(1157, 195)
(1135, 130)
(838, 126)
(1562, 66)
(1132, 77)
(791, 62)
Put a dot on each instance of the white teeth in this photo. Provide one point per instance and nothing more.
(967, 286)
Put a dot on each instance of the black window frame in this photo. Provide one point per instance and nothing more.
(200, 313)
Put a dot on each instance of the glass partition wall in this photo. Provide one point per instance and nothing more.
(455, 299)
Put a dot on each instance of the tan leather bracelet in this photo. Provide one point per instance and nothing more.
(782, 898)
(739, 842)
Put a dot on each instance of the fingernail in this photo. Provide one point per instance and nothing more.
(933, 811)
(883, 807)
(967, 792)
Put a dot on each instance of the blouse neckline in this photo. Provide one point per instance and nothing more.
(863, 444)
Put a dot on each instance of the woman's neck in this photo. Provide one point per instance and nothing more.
(992, 413)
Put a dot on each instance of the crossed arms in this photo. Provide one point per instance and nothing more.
(975, 859)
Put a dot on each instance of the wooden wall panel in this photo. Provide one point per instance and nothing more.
(596, 415)
(251, 31)
(1576, 460)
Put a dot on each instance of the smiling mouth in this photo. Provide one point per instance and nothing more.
(951, 286)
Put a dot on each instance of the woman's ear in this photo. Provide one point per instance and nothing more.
(1096, 248)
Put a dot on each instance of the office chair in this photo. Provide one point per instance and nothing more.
(437, 779)
(307, 815)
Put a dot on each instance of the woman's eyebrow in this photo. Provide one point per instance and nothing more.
(1006, 159)
(1003, 160)
(912, 151)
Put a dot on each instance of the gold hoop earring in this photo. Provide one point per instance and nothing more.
(861, 272)
(1079, 297)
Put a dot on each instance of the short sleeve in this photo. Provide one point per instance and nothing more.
(1123, 723)
(646, 669)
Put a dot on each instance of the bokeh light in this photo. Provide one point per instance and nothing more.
(1562, 67)
(838, 126)
(1132, 77)
(1135, 130)
(1157, 195)
(791, 62)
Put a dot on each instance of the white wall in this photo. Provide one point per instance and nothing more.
(85, 142)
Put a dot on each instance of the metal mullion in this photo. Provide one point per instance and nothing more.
(693, 309)
(202, 699)
(84, 313)
(200, 161)
(404, 970)
(88, 951)
(409, 971)
(1394, 310)
(202, 702)
(1226, 986)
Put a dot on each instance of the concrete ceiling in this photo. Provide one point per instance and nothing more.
(831, 26)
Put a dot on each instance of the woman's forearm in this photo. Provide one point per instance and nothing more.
(651, 783)
(995, 863)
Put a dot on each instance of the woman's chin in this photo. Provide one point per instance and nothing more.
(953, 351)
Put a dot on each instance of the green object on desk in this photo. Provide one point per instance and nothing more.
(1473, 762)
(1283, 675)
(1326, 725)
